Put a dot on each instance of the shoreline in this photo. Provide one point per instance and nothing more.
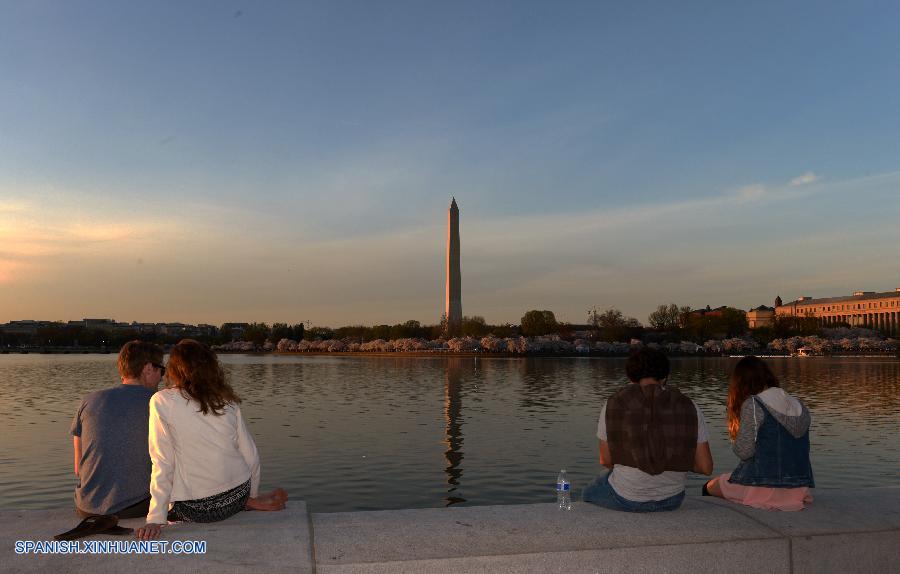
(451, 354)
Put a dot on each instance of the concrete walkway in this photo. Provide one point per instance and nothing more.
(843, 531)
(249, 542)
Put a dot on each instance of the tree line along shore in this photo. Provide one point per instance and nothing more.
(676, 330)
(840, 341)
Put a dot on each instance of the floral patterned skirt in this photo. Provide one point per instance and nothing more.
(212, 508)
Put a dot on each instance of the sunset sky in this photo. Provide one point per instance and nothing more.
(224, 161)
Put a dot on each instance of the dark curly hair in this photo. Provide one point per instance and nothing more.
(195, 370)
(647, 362)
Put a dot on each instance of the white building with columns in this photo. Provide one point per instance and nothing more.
(878, 311)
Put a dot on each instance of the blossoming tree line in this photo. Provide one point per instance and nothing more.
(675, 329)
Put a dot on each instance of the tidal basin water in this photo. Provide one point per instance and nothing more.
(362, 433)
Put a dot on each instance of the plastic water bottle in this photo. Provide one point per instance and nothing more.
(563, 491)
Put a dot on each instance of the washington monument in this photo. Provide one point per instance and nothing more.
(453, 304)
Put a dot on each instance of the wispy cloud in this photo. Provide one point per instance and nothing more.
(777, 192)
(686, 213)
(751, 192)
(805, 179)
(33, 237)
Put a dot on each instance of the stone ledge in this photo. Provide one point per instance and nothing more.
(250, 541)
(833, 511)
(723, 556)
(842, 531)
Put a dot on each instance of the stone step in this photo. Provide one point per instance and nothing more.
(844, 530)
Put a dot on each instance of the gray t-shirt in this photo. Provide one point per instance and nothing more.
(114, 471)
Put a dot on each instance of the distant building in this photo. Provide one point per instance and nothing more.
(31, 327)
(207, 330)
(143, 328)
(187, 331)
(868, 309)
(761, 316)
(234, 330)
(173, 329)
(99, 324)
(105, 325)
(710, 312)
(27, 327)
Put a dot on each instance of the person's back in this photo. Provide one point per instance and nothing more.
(770, 430)
(205, 463)
(779, 453)
(213, 452)
(652, 441)
(110, 437)
(114, 470)
(650, 437)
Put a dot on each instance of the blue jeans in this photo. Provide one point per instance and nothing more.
(601, 493)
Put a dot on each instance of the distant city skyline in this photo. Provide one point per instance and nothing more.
(207, 163)
(795, 306)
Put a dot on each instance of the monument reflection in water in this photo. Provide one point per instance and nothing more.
(453, 429)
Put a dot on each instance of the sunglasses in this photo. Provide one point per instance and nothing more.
(162, 368)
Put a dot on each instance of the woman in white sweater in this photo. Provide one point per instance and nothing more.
(205, 464)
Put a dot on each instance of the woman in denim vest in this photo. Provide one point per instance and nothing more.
(770, 433)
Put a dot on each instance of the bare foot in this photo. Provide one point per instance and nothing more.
(277, 494)
(266, 504)
(272, 501)
(713, 487)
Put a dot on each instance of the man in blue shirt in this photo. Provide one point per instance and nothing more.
(110, 438)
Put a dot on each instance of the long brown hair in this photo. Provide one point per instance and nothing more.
(751, 376)
(195, 370)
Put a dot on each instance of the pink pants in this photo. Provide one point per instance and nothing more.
(764, 497)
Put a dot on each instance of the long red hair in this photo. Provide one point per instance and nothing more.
(751, 376)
